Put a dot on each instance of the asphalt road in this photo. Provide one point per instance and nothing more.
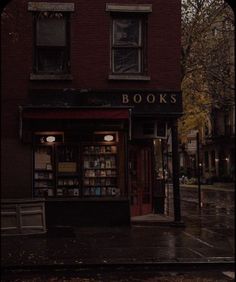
(215, 216)
(215, 201)
(209, 232)
(180, 276)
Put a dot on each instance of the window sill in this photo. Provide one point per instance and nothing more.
(128, 77)
(50, 76)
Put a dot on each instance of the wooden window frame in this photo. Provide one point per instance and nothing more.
(141, 47)
(65, 49)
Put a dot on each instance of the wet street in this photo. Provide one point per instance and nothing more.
(145, 276)
(206, 241)
(216, 215)
(216, 202)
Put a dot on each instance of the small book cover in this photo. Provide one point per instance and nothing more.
(108, 164)
(59, 192)
(104, 191)
(97, 191)
(50, 192)
(86, 192)
(108, 149)
(76, 192)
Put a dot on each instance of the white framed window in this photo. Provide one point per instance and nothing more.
(128, 45)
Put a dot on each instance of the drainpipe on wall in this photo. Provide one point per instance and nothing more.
(175, 162)
(20, 123)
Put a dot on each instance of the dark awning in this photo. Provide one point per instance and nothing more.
(72, 113)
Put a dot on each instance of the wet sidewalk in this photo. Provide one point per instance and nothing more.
(135, 245)
(218, 186)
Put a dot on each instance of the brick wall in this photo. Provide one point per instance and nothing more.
(90, 43)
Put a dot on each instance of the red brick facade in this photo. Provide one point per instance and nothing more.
(90, 60)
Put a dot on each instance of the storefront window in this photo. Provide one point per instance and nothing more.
(158, 158)
(82, 169)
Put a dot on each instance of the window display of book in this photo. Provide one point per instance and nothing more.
(100, 171)
(67, 171)
(43, 172)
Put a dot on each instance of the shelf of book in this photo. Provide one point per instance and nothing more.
(100, 170)
(67, 171)
(43, 176)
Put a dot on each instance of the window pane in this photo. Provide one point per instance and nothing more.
(51, 32)
(126, 60)
(126, 32)
(51, 60)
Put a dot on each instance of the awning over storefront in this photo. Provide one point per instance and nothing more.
(37, 114)
(75, 113)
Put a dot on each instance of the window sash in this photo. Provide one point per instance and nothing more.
(126, 47)
(122, 68)
(122, 44)
(51, 60)
(51, 57)
(46, 35)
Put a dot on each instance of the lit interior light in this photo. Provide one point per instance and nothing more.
(108, 137)
(216, 160)
(50, 139)
(227, 159)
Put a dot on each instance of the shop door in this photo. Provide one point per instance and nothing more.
(140, 180)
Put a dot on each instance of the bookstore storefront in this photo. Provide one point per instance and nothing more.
(98, 165)
(78, 153)
(79, 163)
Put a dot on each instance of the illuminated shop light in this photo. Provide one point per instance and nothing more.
(108, 138)
(50, 139)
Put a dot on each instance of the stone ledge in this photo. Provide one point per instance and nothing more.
(50, 76)
(128, 77)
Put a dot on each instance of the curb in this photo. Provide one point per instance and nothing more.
(158, 223)
(209, 187)
(125, 267)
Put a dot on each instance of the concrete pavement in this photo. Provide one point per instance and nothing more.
(101, 246)
(218, 186)
(206, 239)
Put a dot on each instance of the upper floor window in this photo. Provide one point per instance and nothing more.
(128, 40)
(51, 43)
(51, 39)
(128, 45)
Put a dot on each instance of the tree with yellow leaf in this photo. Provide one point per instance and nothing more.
(207, 65)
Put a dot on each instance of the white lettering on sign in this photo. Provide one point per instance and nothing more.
(137, 98)
(173, 98)
(125, 99)
(151, 98)
(161, 98)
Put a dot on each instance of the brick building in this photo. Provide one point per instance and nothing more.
(90, 91)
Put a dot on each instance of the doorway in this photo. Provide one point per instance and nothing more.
(140, 179)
